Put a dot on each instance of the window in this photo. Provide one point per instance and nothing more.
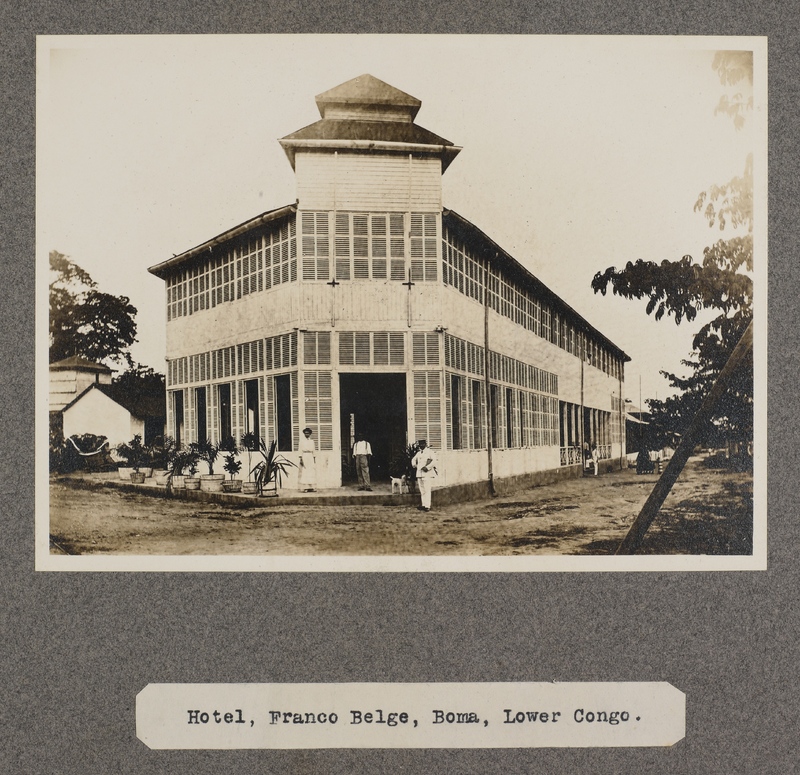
(455, 409)
(315, 245)
(283, 407)
(252, 419)
(177, 408)
(202, 417)
(224, 408)
(477, 415)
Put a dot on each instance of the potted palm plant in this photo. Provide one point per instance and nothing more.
(136, 456)
(192, 481)
(164, 452)
(268, 473)
(208, 452)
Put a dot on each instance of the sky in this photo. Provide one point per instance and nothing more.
(579, 153)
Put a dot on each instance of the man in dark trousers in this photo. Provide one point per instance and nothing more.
(362, 452)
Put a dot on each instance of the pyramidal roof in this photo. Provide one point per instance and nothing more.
(367, 91)
(366, 113)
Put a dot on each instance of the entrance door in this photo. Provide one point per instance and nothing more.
(374, 404)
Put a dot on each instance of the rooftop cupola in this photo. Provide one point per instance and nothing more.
(367, 114)
(367, 98)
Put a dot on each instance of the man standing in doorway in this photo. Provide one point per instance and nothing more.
(362, 452)
(425, 464)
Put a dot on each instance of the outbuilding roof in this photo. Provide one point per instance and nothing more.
(79, 363)
(141, 405)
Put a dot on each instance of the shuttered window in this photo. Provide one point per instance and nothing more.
(425, 348)
(422, 246)
(315, 241)
(362, 348)
(318, 407)
(370, 246)
(428, 407)
(316, 348)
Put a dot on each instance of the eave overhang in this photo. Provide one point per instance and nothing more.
(167, 267)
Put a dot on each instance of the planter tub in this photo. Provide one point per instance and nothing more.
(249, 488)
(161, 478)
(212, 482)
(137, 477)
(232, 485)
(178, 482)
(190, 483)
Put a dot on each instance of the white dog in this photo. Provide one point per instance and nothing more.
(400, 484)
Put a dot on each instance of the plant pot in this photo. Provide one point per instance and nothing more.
(232, 485)
(125, 473)
(162, 477)
(178, 482)
(249, 488)
(148, 472)
(212, 482)
(191, 483)
(137, 477)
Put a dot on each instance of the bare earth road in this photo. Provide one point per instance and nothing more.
(709, 511)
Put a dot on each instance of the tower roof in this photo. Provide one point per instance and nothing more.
(367, 92)
(367, 114)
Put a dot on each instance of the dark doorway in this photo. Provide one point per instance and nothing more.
(201, 408)
(224, 397)
(252, 421)
(177, 408)
(283, 404)
(374, 404)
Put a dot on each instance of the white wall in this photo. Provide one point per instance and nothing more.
(97, 413)
(368, 182)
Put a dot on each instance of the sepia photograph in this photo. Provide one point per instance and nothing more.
(401, 303)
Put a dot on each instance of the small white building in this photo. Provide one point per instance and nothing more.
(84, 400)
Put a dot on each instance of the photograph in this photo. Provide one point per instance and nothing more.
(401, 303)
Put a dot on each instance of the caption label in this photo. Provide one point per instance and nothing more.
(395, 715)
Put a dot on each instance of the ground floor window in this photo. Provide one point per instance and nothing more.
(224, 409)
(252, 419)
(201, 412)
(283, 412)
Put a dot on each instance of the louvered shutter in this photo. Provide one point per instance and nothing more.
(295, 412)
(346, 348)
(362, 348)
(397, 246)
(343, 247)
(380, 342)
(397, 349)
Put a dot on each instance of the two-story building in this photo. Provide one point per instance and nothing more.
(368, 306)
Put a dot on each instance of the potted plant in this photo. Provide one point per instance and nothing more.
(250, 445)
(208, 452)
(232, 466)
(164, 453)
(135, 455)
(269, 471)
(191, 482)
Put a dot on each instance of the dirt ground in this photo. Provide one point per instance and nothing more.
(709, 511)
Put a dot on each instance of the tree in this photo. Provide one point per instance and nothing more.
(85, 321)
(721, 282)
